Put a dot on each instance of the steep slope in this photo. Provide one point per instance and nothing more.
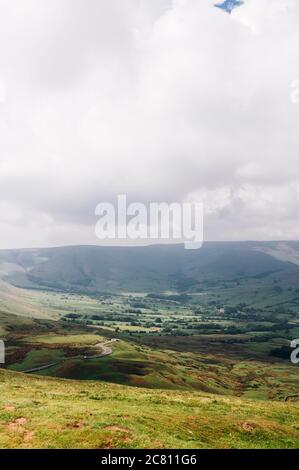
(51, 413)
(16, 301)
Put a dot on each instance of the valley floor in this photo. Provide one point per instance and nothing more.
(37, 412)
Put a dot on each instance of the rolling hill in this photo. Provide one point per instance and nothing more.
(152, 268)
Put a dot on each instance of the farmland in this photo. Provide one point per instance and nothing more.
(220, 342)
(167, 342)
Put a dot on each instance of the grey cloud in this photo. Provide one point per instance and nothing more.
(162, 100)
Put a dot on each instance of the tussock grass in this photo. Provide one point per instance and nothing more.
(40, 412)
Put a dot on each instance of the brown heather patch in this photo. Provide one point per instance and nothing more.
(75, 425)
(28, 437)
(9, 408)
(17, 425)
(248, 427)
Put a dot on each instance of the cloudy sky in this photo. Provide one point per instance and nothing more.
(164, 100)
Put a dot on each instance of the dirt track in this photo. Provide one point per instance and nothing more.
(105, 351)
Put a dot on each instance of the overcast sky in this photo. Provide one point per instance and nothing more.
(164, 100)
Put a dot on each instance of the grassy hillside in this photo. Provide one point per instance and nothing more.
(18, 301)
(237, 365)
(52, 413)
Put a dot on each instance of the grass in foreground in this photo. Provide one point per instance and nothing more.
(51, 413)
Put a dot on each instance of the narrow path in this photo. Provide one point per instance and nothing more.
(37, 369)
(105, 351)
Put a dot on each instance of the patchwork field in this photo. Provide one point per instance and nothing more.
(228, 364)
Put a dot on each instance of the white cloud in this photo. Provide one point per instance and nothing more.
(2, 92)
(159, 99)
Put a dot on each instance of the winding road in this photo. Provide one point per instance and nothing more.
(105, 351)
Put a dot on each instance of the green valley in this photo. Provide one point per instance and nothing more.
(220, 344)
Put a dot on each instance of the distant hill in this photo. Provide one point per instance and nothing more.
(93, 269)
